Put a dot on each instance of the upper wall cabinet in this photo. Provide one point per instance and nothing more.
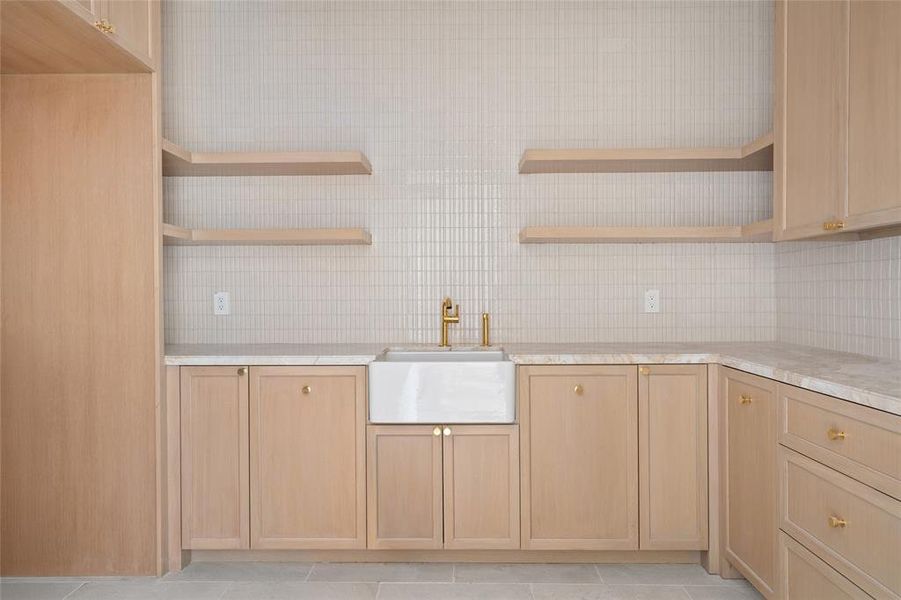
(78, 36)
(874, 115)
(837, 119)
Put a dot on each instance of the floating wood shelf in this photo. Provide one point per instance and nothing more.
(761, 231)
(178, 162)
(754, 156)
(180, 236)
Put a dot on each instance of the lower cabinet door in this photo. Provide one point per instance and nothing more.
(404, 497)
(307, 457)
(579, 429)
(672, 450)
(806, 577)
(748, 463)
(481, 487)
(214, 470)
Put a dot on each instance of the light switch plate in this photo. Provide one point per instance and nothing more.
(221, 303)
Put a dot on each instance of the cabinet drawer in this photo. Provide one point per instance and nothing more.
(854, 528)
(861, 442)
(804, 576)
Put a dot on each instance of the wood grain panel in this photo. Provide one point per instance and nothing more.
(811, 121)
(867, 547)
(579, 457)
(672, 449)
(748, 459)
(308, 457)
(805, 577)
(865, 443)
(874, 120)
(80, 370)
(215, 478)
(404, 487)
(481, 487)
(59, 36)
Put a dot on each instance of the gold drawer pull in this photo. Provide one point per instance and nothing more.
(306, 389)
(833, 225)
(578, 389)
(644, 371)
(835, 434)
(447, 431)
(436, 431)
(745, 399)
(836, 522)
(105, 26)
(242, 371)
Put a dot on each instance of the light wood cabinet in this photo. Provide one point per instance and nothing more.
(404, 490)
(874, 119)
(307, 457)
(837, 121)
(214, 453)
(481, 487)
(811, 117)
(748, 461)
(804, 576)
(579, 445)
(131, 20)
(672, 449)
(452, 486)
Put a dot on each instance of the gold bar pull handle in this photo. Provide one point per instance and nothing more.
(834, 434)
(486, 324)
(833, 225)
(837, 522)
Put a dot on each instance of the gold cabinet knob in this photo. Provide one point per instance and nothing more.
(447, 431)
(436, 431)
(242, 371)
(837, 522)
(644, 371)
(745, 399)
(833, 225)
(835, 434)
(306, 389)
(105, 26)
(578, 389)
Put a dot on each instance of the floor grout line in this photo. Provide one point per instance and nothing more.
(83, 583)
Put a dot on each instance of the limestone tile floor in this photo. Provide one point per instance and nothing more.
(398, 581)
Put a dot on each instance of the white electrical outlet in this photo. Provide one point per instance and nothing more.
(652, 301)
(221, 303)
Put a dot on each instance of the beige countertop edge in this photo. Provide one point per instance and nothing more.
(860, 370)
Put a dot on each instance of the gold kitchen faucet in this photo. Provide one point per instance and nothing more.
(447, 318)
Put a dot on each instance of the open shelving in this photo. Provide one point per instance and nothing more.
(180, 162)
(753, 156)
(181, 236)
(761, 231)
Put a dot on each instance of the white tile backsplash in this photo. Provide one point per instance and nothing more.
(443, 97)
(841, 295)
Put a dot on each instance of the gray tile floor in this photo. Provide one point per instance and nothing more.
(398, 581)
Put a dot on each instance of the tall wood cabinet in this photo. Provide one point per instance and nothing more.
(672, 449)
(837, 121)
(307, 457)
(451, 486)
(749, 477)
(215, 506)
(579, 457)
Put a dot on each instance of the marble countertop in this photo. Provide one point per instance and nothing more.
(857, 378)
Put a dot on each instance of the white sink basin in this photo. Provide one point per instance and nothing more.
(442, 386)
